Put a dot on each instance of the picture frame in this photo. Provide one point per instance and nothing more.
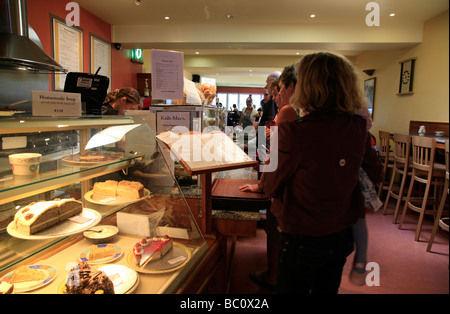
(67, 49)
(369, 93)
(406, 77)
(100, 57)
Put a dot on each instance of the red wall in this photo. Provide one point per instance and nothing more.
(123, 70)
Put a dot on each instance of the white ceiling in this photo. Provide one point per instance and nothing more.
(263, 35)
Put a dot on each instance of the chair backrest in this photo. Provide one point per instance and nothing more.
(424, 150)
(402, 148)
(385, 138)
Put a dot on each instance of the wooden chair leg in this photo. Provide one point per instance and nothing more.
(405, 207)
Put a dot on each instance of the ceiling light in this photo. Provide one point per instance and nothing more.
(230, 16)
(197, 52)
(312, 16)
(167, 17)
(297, 53)
(138, 2)
(392, 14)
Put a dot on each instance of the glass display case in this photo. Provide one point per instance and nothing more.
(75, 154)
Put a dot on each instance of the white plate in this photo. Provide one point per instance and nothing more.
(50, 274)
(62, 229)
(113, 200)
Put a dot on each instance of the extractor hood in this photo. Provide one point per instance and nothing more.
(17, 50)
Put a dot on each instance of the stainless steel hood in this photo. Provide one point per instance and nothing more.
(17, 50)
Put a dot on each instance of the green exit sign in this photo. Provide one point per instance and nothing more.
(137, 55)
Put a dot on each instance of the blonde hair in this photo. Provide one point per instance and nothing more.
(327, 81)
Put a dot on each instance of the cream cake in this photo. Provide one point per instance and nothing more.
(41, 215)
(126, 189)
(151, 248)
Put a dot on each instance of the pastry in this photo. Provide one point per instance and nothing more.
(6, 288)
(83, 279)
(38, 216)
(108, 188)
(130, 189)
(26, 273)
(151, 248)
(96, 252)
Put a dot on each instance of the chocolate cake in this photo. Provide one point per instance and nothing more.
(83, 279)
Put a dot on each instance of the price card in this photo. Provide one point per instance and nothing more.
(45, 103)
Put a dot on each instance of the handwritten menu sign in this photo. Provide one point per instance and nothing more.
(68, 50)
(167, 74)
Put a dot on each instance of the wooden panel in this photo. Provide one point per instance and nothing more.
(231, 227)
(430, 127)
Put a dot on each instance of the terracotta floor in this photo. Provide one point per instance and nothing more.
(405, 265)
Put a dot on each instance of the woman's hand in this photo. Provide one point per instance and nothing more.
(253, 188)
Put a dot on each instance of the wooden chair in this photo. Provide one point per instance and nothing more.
(439, 221)
(402, 148)
(386, 158)
(426, 172)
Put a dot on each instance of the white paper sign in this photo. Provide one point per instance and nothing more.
(192, 96)
(167, 120)
(45, 103)
(167, 74)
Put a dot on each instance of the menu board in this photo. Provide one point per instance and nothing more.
(206, 152)
(167, 74)
(67, 49)
(100, 57)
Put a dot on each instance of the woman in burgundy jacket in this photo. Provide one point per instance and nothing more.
(315, 187)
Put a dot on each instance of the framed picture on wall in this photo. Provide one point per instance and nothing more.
(406, 76)
(369, 93)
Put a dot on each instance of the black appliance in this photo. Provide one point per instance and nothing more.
(92, 87)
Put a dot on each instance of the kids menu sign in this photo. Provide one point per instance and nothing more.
(166, 121)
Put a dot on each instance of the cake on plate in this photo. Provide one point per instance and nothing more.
(84, 279)
(151, 248)
(41, 215)
(25, 273)
(6, 288)
(126, 189)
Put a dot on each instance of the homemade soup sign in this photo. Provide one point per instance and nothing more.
(46, 103)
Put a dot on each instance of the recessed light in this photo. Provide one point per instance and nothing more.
(297, 53)
(392, 14)
(167, 17)
(197, 52)
(312, 16)
(230, 16)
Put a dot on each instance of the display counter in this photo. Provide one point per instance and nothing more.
(117, 148)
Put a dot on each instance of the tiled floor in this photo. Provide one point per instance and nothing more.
(405, 265)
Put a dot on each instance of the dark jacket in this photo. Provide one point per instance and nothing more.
(315, 188)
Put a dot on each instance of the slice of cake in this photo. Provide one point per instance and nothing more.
(6, 288)
(107, 188)
(26, 273)
(83, 279)
(151, 248)
(130, 189)
(98, 252)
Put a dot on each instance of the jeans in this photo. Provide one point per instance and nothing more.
(313, 265)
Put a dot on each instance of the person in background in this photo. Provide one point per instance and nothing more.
(315, 190)
(283, 91)
(127, 99)
(109, 103)
(249, 114)
(269, 107)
